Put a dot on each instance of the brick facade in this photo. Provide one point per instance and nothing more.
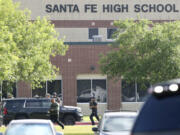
(78, 60)
(24, 89)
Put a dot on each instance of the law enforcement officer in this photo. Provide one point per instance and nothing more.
(54, 113)
(93, 107)
(48, 95)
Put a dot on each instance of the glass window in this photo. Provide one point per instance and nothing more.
(40, 92)
(110, 33)
(46, 103)
(99, 90)
(8, 89)
(14, 103)
(142, 91)
(29, 129)
(128, 91)
(49, 87)
(30, 103)
(118, 123)
(134, 92)
(92, 32)
(54, 86)
(88, 88)
(83, 90)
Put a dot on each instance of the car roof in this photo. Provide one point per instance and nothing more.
(11, 99)
(30, 121)
(120, 113)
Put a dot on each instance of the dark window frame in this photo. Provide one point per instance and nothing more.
(92, 32)
(92, 88)
(45, 86)
(110, 32)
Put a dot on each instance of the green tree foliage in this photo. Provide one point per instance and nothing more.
(144, 51)
(26, 46)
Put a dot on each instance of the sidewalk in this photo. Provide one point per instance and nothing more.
(85, 123)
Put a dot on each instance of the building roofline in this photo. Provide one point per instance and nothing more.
(88, 43)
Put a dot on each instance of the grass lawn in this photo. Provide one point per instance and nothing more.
(76, 130)
(70, 130)
(87, 119)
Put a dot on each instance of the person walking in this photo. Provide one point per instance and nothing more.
(93, 107)
(54, 113)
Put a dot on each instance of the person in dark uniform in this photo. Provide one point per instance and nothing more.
(54, 95)
(93, 107)
(54, 113)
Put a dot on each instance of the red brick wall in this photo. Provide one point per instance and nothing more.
(82, 58)
(114, 94)
(23, 89)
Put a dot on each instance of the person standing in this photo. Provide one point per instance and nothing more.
(54, 113)
(54, 95)
(93, 107)
(48, 95)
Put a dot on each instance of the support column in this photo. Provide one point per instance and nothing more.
(114, 95)
(23, 89)
(69, 90)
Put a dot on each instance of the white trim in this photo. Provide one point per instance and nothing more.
(110, 39)
(91, 76)
(58, 77)
(91, 40)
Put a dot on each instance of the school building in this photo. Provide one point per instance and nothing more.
(87, 26)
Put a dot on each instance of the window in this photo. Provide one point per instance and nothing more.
(110, 32)
(54, 86)
(83, 90)
(128, 91)
(41, 92)
(142, 91)
(14, 103)
(30, 103)
(8, 89)
(30, 129)
(46, 104)
(134, 92)
(92, 32)
(86, 88)
(99, 90)
(48, 87)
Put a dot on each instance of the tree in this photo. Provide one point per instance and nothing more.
(26, 46)
(144, 51)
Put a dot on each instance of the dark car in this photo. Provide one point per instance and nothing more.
(160, 115)
(37, 108)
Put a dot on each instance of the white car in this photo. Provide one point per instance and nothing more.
(31, 127)
(115, 123)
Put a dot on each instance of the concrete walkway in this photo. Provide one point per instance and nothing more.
(85, 123)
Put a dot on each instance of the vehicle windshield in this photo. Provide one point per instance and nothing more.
(29, 129)
(117, 123)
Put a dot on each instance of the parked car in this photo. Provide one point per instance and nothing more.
(37, 108)
(160, 113)
(115, 123)
(31, 127)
